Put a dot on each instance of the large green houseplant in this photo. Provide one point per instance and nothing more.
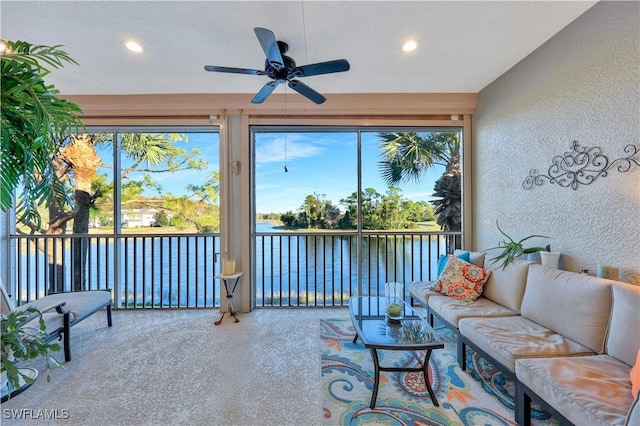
(512, 248)
(34, 124)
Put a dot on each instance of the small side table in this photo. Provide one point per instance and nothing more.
(226, 279)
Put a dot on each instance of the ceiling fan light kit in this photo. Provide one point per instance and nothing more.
(410, 45)
(283, 69)
(133, 45)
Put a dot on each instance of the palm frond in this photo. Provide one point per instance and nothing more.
(29, 54)
(33, 119)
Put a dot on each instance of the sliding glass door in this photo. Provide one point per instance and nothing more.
(342, 211)
(142, 219)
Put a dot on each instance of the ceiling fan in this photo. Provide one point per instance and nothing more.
(281, 68)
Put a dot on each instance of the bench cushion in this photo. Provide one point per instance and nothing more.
(453, 310)
(80, 304)
(509, 338)
(52, 320)
(587, 390)
(574, 305)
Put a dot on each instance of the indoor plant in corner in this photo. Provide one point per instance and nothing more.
(512, 249)
(34, 122)
(24, 338)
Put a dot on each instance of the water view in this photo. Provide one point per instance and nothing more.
(153, 216)
(291, 268)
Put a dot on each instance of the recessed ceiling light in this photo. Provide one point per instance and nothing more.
(410, 45)
(133, 45)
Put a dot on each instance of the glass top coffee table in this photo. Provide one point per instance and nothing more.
(377, 332)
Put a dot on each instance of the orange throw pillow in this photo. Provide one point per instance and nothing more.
(635, 377)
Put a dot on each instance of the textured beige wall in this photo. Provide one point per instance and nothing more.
(583, 85)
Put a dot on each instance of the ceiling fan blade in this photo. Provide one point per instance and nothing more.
(270, 46)
(264, 93)
(307, 91)
(338, 65)
(233, 70)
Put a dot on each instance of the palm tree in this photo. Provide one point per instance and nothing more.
(407, 155)
(82, 161)
(76, 163)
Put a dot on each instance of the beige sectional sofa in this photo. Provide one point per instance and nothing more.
(568, 340)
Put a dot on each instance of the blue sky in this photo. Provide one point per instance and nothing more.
(321, 163)
(176, 183)
(324, 163)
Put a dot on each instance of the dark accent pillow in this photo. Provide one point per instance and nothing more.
(442, 261)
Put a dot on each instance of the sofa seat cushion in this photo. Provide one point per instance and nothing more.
(509, 338)
(587, 390)
(453, 310)
(422, 291)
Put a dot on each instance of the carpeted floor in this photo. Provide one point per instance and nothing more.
(175, 367)
(479, 396)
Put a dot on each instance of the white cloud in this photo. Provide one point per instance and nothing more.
(290, 147)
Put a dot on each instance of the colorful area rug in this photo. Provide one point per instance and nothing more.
(479, 396)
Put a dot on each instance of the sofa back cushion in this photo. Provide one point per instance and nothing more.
(506, 286)
(475, 257)
(623, 341)
(574, 305)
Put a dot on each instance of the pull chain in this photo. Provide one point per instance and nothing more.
(285, 130)
(304, 32)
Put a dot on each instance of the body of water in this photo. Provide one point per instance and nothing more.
(291, 268)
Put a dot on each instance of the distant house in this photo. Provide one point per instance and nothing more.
(137, 218)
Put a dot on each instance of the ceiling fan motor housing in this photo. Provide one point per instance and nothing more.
(284, 74)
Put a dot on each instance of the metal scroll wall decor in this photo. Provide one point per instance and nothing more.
(582, 166)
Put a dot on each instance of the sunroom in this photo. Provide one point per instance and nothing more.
(513, 103)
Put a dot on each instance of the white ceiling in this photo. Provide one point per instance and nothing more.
(464, 45)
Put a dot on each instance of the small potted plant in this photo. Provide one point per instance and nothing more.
(22, 341)
(512, 249)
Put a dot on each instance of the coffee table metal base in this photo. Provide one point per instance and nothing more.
(412, 334)
(424, 368)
